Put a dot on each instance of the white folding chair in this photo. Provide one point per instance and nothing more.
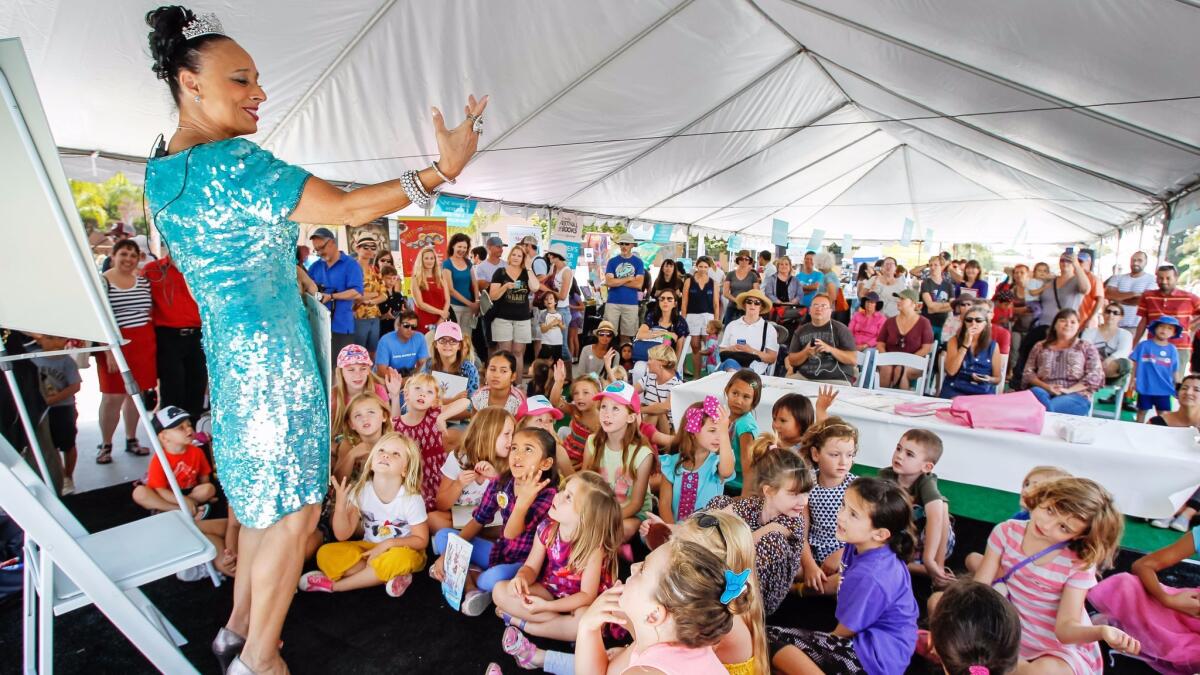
(865, 359)
(913, 361)
(67, 568)
(1118, 388)
(1003, 374)
(683, 358)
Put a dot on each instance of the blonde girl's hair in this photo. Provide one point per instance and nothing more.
(619, 374)
(599, 522)
(779, 468)
(343, 423)
(479, 443)
(422, 378)
(690, 589)
(1050, 472)
(340, 395)
(419, 278)
(664, 353)
(1088, 501)
(630, 442)
(714, 326)
(412, 470)
(726, 534)
(833, 427)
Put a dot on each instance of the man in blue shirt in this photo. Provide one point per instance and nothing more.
(623, 276)
(340, 280)
(404, 349)
(810, 279)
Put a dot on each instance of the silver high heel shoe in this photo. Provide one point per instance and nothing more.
(226, 646)
(238, 667)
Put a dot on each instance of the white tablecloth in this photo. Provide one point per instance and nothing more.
(1150, 470)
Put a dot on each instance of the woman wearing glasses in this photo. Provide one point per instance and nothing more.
(751, 341)
(1113, 342)
(366, 308)
(972, 358)
(743, 278)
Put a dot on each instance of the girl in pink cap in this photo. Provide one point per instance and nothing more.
(616, 451)
(454, 356)
(354, 376)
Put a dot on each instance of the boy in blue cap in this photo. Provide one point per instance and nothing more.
(1154, 364)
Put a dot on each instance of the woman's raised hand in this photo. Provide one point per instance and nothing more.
(456, 146)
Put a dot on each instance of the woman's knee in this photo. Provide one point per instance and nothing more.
(300, 522)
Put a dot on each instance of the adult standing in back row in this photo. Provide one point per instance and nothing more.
(623, 276)
(886, 285)
(1169, 300)
(936, 292)
(339, 277)
(458, 278)
(740, 279)
(1125, 290)
(1064, 291)
(484, 271)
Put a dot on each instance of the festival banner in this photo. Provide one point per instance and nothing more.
(815, 241)
(417, 232)
(567, 229)
(906, 233)
(847, 245)
(779, 232)
(734, 243)
(458, 211)
(574, 251)
(662, 233)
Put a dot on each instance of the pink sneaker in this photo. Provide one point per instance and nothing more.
(315, 581)
(397, 585)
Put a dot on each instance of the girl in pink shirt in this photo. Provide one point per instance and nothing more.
(1045, 567)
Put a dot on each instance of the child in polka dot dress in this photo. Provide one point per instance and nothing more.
(832, 445)
(425, 423)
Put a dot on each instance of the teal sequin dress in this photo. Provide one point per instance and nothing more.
(223, 208)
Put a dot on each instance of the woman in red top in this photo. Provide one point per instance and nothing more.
(429, 295)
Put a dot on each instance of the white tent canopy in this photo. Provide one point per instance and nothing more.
(848, 116)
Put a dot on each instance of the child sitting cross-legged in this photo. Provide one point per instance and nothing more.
(573, 560)
(1036, 476)
(194, 475)
(917, 452)
(466, 473)
(385, 504)
(833, 446)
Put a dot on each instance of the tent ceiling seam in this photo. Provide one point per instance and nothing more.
(876, 160)
(1045, 155)
(329, 69)
(912, 197)
(711, 111)
(988, 189)
(587, 74)
(747, 158)
(789, 175)
(1001, 80)
(992, 159)
(771, 20)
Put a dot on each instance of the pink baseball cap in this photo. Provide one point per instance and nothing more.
(538, 405)
(448, 329)
(623, 393)
(353, 355)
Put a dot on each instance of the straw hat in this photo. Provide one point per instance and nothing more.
(754, 293)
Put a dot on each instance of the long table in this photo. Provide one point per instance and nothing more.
(1150, 470)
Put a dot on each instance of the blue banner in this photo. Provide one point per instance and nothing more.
(847, 244)
(779, 232)
(815, 241)
(574, 250)
(458, 211)
(662, 233)
(906, 234)
(733, 244)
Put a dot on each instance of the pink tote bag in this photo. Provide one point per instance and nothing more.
(1016, 411)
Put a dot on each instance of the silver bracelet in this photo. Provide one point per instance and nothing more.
(438, 170)
(417, 194)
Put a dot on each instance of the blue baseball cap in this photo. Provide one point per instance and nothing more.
(324, 233)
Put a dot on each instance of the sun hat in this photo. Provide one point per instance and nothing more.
(559, 250)
(448, 329)
(538, 405)
(874, 297)
(622, 392)
(626, 239)
(1167, 320)
(353, 355)
(605, 325)
(754, 293)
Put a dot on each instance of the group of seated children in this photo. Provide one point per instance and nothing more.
(743, 517)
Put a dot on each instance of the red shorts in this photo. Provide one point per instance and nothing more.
(141, 355)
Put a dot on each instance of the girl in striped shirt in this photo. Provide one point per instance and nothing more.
(1046, 565)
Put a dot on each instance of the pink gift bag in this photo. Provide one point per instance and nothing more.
(1016, 411)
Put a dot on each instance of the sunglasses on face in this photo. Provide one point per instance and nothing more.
(1114, 312)
(753, 302)
(368, 245)
(974, 319)
(604, 334)
(409, 326)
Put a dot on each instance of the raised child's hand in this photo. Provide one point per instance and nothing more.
(527, 489)
(394, 382)
(486, 471)
(826, 395)
(560, 371)
(341, 488)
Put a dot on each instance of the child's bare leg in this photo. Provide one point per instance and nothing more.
(214, 531)
(203, 493)
(562, 627)
(973, 560)
(361, 575)
(152, 501)
(69, 458)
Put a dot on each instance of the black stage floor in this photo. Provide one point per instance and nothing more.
(357, 632)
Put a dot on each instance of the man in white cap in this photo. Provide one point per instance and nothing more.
(623, 276)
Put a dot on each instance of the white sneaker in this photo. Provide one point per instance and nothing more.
(68, 486)
(1161, 523)
(474, 602)
(1181, 523)
(196, 573)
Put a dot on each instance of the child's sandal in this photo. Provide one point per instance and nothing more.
(509, 620)
(133, 448)
(104, 456)
(515, 644)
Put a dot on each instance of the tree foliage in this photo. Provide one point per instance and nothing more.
(100, 204)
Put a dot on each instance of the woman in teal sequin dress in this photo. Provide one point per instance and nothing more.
(229, 211)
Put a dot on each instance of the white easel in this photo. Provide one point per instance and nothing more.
(65, 566)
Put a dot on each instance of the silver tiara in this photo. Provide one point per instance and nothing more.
(203, 24)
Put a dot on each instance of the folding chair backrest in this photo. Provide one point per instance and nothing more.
(913, 361)
(1003, 374)
(866, 360)
(18, 480)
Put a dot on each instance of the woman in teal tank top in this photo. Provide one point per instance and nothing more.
(229, 211)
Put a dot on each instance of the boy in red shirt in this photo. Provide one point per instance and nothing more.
(194, 475)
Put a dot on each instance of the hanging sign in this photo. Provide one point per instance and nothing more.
(734, 242)
(779, 232)
(928, 234)
(847, 244)
(567, 228)
(458, 211)
(662, 233)
(906, 233)
(815, 240)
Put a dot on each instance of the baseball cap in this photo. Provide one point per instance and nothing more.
(169, 418)
(529, 240)
(122, 228)
(322, 232)
(623, 393)
(494, 241)
(353, 355)
(537, 405)
(448, 329)
(907, 293)
(626, 239)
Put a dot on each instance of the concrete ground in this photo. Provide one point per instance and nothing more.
(125, 468)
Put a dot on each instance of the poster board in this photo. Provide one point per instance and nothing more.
(415, 233)
(457, 562)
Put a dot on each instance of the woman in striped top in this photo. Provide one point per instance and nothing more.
(1045, 567)
(129, 297)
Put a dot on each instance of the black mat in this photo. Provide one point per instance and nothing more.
(361, 631)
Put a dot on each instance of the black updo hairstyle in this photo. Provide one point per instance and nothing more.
(890, 510)
(169, 49)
